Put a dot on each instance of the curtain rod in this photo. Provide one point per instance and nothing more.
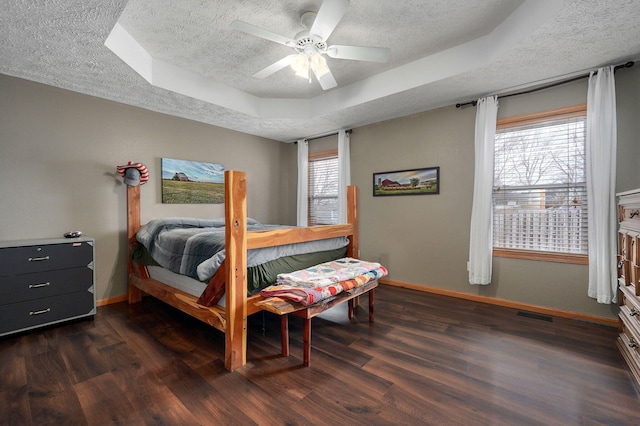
(348, 131)
(548, 86)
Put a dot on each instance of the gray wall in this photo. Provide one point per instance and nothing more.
(628, 109)
(58, 156)
(424, 240)
(59, 150)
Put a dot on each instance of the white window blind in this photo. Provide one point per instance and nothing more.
(539, 193)
(323, 188)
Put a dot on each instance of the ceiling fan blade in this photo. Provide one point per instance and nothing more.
(262, 33)
(328, 16)
(326, 80)
(276, 66)
(359, 53)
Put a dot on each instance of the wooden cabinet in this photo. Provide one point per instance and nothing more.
(629, 279)
(43, 282)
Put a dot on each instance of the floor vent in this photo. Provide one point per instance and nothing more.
(535, 316)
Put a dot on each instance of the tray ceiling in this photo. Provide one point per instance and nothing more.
(184, 59)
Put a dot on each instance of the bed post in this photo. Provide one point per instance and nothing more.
(134, 295)
(235, 187)
(352, 219)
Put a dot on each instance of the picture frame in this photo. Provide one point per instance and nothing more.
(192, 182)
(423, 181)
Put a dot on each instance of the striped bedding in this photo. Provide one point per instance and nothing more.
(195, 247)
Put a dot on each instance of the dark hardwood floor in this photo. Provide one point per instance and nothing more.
(426, 360)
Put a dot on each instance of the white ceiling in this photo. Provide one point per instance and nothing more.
(182, 58)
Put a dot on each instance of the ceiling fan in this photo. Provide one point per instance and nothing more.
(310, 45)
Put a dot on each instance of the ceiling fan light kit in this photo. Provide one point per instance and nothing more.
(318, 64)
(301, 64)
(310, 45)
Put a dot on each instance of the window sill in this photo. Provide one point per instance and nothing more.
(577, 259)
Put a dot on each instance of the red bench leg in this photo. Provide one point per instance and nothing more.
(306, 342)
(284, 334)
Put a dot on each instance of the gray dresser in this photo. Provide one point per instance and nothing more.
(43, 282)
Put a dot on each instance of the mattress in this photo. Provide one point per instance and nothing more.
(258, 277)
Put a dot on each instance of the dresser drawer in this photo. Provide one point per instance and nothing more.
(630, 314)
(629, 214)
(629, 343)
(18, 288)
(21, 316)
(629, 300)
(629, 210)
(629, 351)
(46, 257)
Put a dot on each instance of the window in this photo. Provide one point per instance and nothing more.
(323, 188)
(539, 186)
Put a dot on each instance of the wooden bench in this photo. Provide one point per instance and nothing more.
(284, 308)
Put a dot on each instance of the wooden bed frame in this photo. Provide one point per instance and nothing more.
(231, 319)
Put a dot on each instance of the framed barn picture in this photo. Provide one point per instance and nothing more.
(407, 182)
(192, 182)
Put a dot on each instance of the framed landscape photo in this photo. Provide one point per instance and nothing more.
(407, 182)
(192, 182)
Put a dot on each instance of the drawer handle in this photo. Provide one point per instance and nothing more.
(43, 311)
(634, 214)
(634, 312)
(39, 285)
(38, 259)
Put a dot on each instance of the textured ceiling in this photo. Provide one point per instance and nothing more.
(182, 58)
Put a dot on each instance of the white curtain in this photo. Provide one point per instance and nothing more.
(601, 181)
(303, 182)
(344, 173)
(481, 235)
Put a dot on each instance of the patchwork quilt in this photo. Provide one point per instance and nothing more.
(311, 285)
